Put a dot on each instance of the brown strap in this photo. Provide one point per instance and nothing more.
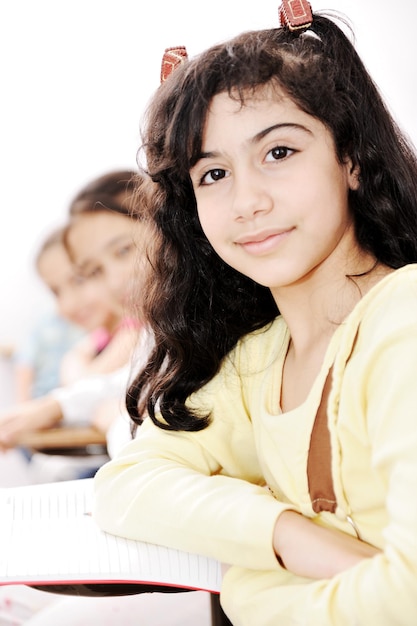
(319, 469)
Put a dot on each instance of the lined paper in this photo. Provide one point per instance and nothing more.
(47, 535)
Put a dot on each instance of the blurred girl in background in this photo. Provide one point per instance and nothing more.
(79, 307)
(103, 240)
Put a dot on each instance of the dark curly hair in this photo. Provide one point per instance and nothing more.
(197, 306)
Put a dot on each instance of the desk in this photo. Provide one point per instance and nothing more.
(64, 453)
(65, 437)
(218, 617)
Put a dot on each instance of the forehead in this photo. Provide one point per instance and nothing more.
(251, 112)
(100, 222)
(92, 233)
(54, 265)
(93, 236)
(54, 255)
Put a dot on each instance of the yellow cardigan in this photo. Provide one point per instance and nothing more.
(205, 492)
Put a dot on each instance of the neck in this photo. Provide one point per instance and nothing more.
(313, 311)
(314, 307)
(113, 323)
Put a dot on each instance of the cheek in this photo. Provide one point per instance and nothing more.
(93, 295)
(94, 299)
(210, 222)
(127, 273)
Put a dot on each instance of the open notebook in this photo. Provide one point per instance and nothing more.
(48, 537)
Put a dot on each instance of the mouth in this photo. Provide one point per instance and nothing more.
(263, 241)
(85, 315)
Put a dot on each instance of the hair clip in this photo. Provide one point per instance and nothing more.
(296, 14)
(171, 59)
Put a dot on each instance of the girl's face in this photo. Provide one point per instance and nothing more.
(79, 302)
(103, 248)
(272, 197)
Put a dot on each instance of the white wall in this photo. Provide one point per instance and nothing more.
(75, 79)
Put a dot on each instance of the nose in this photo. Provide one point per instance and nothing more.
(66, 305)
(116, 280)
(251, 196)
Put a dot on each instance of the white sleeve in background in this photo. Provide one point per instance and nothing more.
(79, 400)
(120, 431)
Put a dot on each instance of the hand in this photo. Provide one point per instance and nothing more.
(106, 413)
(27, 417)
(313, 551)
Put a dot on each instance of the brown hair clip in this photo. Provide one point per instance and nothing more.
(296, 14)
(171, 59)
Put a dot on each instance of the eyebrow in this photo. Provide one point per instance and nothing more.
(125, 237)
(268, 130)
(259, 136)
(118, 239)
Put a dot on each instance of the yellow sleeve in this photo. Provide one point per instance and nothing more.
(201, 492)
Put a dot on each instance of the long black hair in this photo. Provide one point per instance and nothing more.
(196, 305)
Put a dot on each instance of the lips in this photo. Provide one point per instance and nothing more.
(263, 242)
(83, 318)
(261, 236)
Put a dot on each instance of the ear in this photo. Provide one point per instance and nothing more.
(353, 174)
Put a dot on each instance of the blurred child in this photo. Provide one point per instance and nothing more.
(102, 239)
(79, 308)
(100, 242)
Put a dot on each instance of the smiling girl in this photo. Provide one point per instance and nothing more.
(278, 409)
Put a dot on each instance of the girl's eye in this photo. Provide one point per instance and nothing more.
(79, 279)
(94, 272)
(124, 250)
(278, 153)
(212, 176)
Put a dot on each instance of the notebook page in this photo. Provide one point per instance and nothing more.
(48, 534)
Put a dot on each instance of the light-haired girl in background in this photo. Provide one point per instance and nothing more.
(100, 242)
(103, 238)
(79, 309)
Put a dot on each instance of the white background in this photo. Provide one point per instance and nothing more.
(75, 79)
